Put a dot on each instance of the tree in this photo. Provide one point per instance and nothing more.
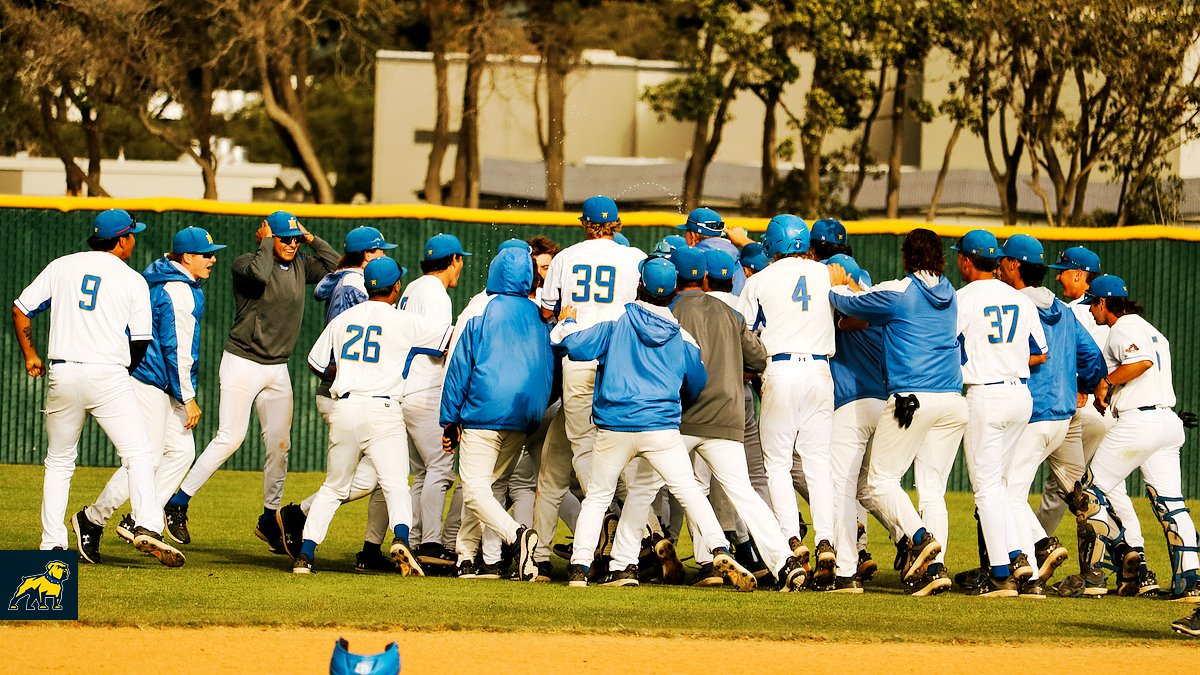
(776, 71)
(464, 188)
(438, 14)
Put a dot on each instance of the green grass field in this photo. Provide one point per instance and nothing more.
(231, 579)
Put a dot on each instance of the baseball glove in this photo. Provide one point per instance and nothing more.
(1190, 419)
(906, 407)
(1071, 587)
(451, 437)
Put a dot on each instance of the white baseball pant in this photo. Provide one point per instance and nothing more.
(553, 485)
(664, 450)
(1036, 443)
(268, 388)
(483, 456)
(853, 428)
(1150, 440)
(362, 426)
(797, 418)
(932, 441)
(432, 468)
(171, 444)
(75, 391)
(998, 415)
(754, 450)
(364, 484)
(1069, 460)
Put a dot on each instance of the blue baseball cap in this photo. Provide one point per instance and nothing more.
(851, 266)
(1105, 286)
(689, 263)
(115, 223)
(599, 210)
(1024, 248)
(704, 221)
(658, 276)
(284, 224)
(443, 245)
(720, 264)
(754, 256)
(829, 231)
(978, 242)
(1077, 258)
(620, 239)
(514, 243)
(382, 272)
(194, 240)
(674, 241)
(366, 238)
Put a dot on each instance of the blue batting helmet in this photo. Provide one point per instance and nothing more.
(786, 234)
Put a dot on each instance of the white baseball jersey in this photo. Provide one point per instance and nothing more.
(97, 305)
(370, 343)
(1084, 314)
(1133, 339)
(789, 301)
(1000, 328)
(729, 299)
(598, 277)
(427, 297)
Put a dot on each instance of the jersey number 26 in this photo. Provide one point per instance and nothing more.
(369, 351)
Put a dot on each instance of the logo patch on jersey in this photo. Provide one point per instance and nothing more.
(1131, 349)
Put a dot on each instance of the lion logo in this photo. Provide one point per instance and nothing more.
(42, 591)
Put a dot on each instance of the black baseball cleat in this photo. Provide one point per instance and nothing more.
(932, 583)
(126, 527)
(823, 575)
(563, 551)
(404, 560)
(901, 554)
(526, 568)
(1031, 589)
(545, 572)
(302, 564)
(970, 580)
(373, 560)
(577, 576)
(1189, 625)
(994, 587)
(792, 576)
(920, 555)
(269, 531)
(1189, 594)
(433, 553)
(846, 585)
(672, 567)
(1050, 555)
(867, 567)
(176, 518)
(151, 542)
(625, 577)
(1020, 569)
(486, 570)
(740, 577)
(708, 576)
(799, 549)
(1095, 583)
(1145, 584)
(88, 534)
(465, 570)
(290, 524)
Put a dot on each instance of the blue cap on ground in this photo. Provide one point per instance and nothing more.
(1105, 286)
(600, 209)
(115, 223)
(442, 245)
(658, 276)
(513, 243)
(1077, 258)
(689, 263)
(1024, 248)
(284, 224)
(830, 231)
(704, 221)
(620, 239)
(754, 256)
(366, 238)
(382, 272)
(720, 264)
(194, 240)
(851, 266)
(344, 662)
(978, 242)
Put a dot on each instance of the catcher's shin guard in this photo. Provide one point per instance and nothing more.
(1095, 532)
(1166, 509)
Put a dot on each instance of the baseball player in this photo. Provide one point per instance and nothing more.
(649, 365)
(1074, 364)
(433, 470)
(1001, 339)
(368, 345)
(101, 325)
(753, 258)
(597, 277)
(269, 286)
(165, 381)
(340, 290)
(498, 385)
(925, 414)
(704, 230)
(829, 238)
(790, 299)
(1147, 434)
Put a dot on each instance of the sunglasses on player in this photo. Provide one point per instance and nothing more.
(288, 241)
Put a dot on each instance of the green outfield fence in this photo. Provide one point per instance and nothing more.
(1158, 262)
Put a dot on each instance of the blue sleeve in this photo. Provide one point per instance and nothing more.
(874, 307)
(168, 340)
(345, 297)
(458, 373)
(1089, 362)
(589, 344)
(695, 377)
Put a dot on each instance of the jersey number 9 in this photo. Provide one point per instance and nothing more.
(90, 289)
(369, 352)
(998, 322)
(604, 277)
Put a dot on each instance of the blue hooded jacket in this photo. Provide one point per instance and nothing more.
(920, 332)
(1074, 362)
(173, 356)
(501, 369)
(857, 366)
(648, 368)
(340, 290)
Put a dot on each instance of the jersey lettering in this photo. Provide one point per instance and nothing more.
(801, 295)
(604, 277)
(998, 313)
(90, 289)
(369, 351)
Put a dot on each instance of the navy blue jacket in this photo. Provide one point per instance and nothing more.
(1073, 364)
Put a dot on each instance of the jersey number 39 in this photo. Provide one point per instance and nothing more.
(602, 277)
(368, 352)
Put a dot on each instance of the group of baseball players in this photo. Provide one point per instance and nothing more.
(616, 391)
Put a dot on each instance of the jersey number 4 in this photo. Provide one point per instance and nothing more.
(998, 315)
(801, 295)
(369, 350)
(90, 289)
(603, 277)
